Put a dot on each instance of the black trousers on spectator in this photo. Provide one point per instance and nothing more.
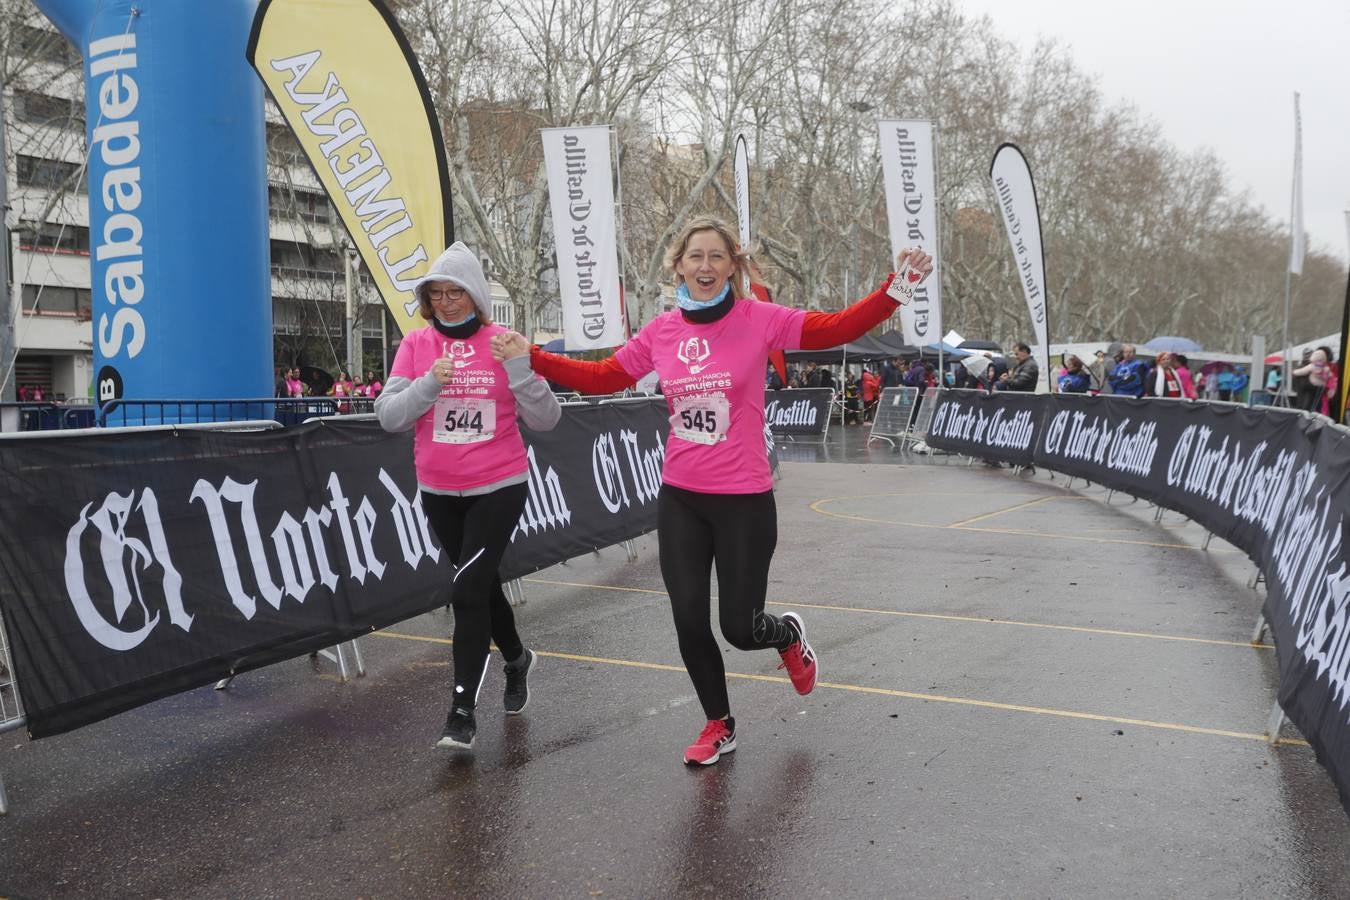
(737, 532)
(474, 532)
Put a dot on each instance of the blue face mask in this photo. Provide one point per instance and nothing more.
(686, 302)
(464, 321)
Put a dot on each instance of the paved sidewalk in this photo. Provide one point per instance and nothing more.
(1026, 692)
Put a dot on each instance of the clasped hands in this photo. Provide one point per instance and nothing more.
(509, 345)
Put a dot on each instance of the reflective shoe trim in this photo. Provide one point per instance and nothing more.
(799, 658)
(460, 728)
(715, 739)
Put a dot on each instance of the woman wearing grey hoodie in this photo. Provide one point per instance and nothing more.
(471, 465)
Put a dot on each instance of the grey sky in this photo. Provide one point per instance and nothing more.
(1221, 75)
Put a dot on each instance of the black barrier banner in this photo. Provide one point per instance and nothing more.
(797, 411)
(138, 565)
(1274, 483)
(999, 426)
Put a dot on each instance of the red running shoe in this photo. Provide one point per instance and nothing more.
(798, 657)
(717, 737)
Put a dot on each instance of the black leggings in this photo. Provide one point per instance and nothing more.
(474, 532)
(738, 532)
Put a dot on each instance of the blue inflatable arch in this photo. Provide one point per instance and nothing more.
(182, 295)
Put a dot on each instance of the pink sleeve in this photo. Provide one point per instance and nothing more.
(636, 355)
(403, 361)
(782, 325)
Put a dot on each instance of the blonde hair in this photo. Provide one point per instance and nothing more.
(740, 277)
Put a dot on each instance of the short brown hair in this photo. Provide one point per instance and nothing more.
(675, 251)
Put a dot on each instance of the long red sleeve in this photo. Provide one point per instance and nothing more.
(821, 331)
(582, 375)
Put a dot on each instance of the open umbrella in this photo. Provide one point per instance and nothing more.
(1215, 365)
(1172, 345)
(976, 365)
(318, 380)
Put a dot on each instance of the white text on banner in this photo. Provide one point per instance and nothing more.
(581, 197)
(910, 168)
(1021, 216)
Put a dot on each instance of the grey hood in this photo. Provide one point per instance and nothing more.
(459, 265)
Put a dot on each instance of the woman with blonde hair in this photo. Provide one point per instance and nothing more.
(716, 503)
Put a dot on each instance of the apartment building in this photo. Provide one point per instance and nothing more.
(48, 222)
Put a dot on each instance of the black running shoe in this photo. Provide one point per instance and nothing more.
(517, 690)
(459, 729)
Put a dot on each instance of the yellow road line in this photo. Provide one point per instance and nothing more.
(604, 587)
(999, 512)
(890, 692)
(979, 620)
(816, 508)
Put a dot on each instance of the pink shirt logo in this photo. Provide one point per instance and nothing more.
(693, 353)
(460, 354)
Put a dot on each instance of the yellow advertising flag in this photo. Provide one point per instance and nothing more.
(348, 85)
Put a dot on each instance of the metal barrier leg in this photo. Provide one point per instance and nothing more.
(1209, 536)
(631, 547)
(1258, 577)
(515, 592)
(1275, 723)
(4, 799)
(1109, 494)
(341, 661)
(224, 683)
(1259, 632)
(356, 654)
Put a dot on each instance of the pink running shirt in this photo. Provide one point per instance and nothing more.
(470, 437)
(713, 379)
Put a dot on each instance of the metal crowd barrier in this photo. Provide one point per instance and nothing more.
(284, 410)
(46, 416)
(289, 411)
(1277, 716)
(892, 418)
(11, 705)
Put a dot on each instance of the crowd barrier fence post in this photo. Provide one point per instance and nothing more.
(11, 707)
(892, 418)
(1275, 723)
(1259, 632)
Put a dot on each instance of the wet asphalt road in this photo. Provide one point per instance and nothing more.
(1026, 692)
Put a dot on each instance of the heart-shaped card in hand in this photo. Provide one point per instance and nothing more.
(902, 286)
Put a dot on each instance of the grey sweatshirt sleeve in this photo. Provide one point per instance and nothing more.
(403, 401)
(535, 404)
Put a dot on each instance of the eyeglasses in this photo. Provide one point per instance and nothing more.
(435, 295)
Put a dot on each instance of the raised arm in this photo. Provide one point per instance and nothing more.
(821, 331)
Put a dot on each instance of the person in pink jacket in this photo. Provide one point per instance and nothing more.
(1183, 369)
(463, 407)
